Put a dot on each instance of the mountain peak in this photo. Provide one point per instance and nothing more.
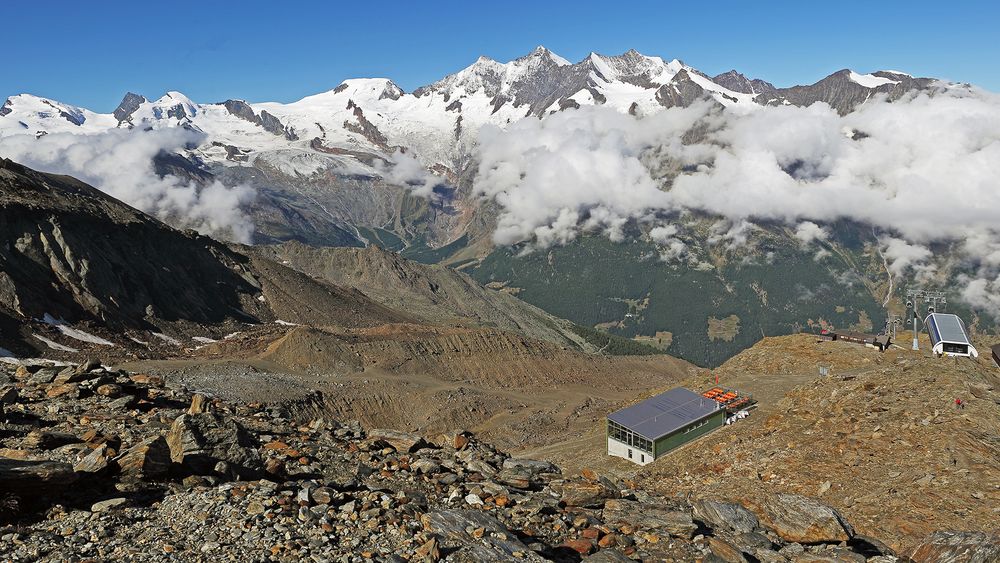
(542, 52)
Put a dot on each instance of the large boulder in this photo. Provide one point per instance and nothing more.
(725, 516)
(199, 442)
(527, 473)
(648, 516)
(589, 494)
(493, 541)
(801, 519)
(34, 477)
(149, 459)
(402, 442)
(958, 547)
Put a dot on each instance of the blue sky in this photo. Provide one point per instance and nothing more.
(90, 54)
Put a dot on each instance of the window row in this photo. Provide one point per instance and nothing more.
(626, 436)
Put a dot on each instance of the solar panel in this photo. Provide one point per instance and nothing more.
(947, 328)
(660, 415)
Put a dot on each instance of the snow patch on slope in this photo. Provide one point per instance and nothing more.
(870, 80)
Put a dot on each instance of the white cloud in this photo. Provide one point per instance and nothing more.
(405, 170)
(584, 164)
(735, 234)
(808, 232)
(902, 255)
(923, 168)
(120, 163)
(671, 247)
(982, 293)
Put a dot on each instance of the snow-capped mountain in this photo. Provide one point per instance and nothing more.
(368, 163)
(308, 159)
(438, 121)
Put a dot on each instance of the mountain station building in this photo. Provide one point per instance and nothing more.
(948, 336)
(645, 431)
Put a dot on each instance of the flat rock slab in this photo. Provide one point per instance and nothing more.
(648, 516)
(497, 543)
(801, 519)
(403, 442)
(109, 504)
(29, 476)
(958, 547)
(587, 494)
(725, 516)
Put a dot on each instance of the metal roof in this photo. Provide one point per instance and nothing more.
(945, 327)
(660, 415)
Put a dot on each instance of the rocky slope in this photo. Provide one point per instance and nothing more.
(74, 254)
(147, 471)
(432, 293)
(367, 164)
(880, 438)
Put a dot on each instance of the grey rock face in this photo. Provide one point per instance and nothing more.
(842, 93)
(649, 516)
(270, 123)
(680, 92)
(805, 520)
(199, 442)
(958, 547)
(726, 516)
(127, 107)
(737, 82)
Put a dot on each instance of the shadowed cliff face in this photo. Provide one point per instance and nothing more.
(75, 253)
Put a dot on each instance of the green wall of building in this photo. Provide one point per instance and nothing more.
(671, 441)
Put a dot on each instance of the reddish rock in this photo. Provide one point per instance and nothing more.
(146, 379)
(149, 459)
(581, 546)
(63, 390)
(609, 540)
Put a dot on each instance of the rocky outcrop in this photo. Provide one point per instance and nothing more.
(210, 443)
(725, 516)
(590, 494)
(805, 520)
(332, 491)
(149, 459)
(75, 254)
(33, 477)
(958, 547)
(649, 517)
(129, 104)
(268, 122)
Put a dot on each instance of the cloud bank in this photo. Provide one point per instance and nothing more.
(925, 168)
(120, 163)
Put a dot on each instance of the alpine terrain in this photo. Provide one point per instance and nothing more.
(378, 325)
(367, 164)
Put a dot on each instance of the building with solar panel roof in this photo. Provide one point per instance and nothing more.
(645, 431)
(948, 336)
